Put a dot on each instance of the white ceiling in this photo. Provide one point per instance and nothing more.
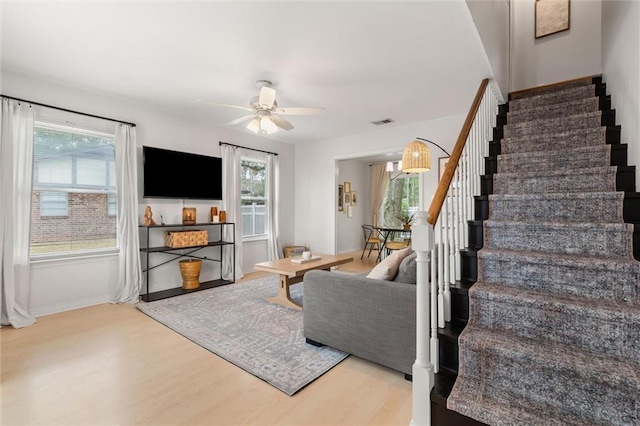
(362, 61)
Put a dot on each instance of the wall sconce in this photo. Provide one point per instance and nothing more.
(416, 157)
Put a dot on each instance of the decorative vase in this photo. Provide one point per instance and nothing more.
(406, 226)
(223, 216)
(189, 216)
(214, 213)
(190, 270)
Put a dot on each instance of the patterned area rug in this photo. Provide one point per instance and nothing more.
(236, 323)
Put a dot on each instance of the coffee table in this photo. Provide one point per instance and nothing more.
(292, 273)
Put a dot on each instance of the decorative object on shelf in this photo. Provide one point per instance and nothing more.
(294, 251)
(214, 214)
(340, 200)
(551, 16)
(347, 187)
(148, 217)
(189, 216)
(178, 239)
(416, 157)
(190, 270)
(354, 198)
(223, 216)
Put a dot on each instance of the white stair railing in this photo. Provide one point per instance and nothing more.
(442, 233)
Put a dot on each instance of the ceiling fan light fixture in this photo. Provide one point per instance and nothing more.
(254, 125)
(267, 126)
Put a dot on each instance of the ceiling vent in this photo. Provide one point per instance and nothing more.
(384, 121)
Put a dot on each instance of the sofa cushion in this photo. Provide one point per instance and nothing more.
(388, 268)
(407, 270)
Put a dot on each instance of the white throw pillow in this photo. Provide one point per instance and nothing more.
(388, 268)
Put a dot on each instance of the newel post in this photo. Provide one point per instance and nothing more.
(423, 373)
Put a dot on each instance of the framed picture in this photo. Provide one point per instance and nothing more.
(442, 164)
(350, 211)
(340, 196)
(552, 16)
(354, 198)
(347, 197)
(347, 187)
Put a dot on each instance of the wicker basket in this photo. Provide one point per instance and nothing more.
(178, 239)
(190, 271)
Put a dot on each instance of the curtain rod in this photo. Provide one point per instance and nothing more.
(68, 110)
(244, 147)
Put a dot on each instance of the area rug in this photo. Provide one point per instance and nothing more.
(236, 323)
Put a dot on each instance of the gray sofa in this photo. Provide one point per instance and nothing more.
(369, 318)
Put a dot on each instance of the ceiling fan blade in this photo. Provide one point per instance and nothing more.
(240, 120)
(267, 97)
(300, 111)
(245, 108)
(281, 122)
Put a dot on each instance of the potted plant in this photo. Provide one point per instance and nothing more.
(406, 220)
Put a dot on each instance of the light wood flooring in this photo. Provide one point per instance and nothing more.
(111, 364)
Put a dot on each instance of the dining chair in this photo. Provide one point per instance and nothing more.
(371, 239)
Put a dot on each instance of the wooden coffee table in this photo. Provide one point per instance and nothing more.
(292, 273)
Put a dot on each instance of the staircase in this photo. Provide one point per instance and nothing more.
(554, 317)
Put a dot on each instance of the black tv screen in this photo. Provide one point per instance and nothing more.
(174, 174)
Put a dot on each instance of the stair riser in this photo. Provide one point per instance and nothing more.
(562, 140)
(468, 266)
(533, 128)
(594, 240)
(612, 282)
(514, 164)
(562, 86)
(559, 392)
(558, 209)
(571, 182)
(581, 106)
(585, 329)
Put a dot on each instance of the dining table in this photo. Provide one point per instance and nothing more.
(386, 232)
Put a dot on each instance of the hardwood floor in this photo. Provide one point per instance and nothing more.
(111, 364)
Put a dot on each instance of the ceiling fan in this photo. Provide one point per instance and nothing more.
(265, 114)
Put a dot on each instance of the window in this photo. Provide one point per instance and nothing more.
(54, 204)
(403, 197)
(253, 198)
(73, 187)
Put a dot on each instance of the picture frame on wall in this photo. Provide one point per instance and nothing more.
(551, 16)
(340, 198)
(347, 187)
(354, 198)
(347, 198)
(442, 164)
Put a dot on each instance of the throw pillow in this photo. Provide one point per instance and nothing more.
(388, 268)
(407, 270)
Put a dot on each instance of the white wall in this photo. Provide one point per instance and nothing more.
(557, 57)
(68, 284)
(491, 18)
(349, 231)
(317, 174)
(621, 69)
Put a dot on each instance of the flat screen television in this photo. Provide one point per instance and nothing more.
(174, 174)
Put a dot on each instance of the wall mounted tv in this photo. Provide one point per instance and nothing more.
(174, 174)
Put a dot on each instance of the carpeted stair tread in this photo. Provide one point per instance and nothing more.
(583, 388)
(578, 106)
(551, 88)
(569, 158)
(535, 127)
(597, 179)
(596, 326)
(555, 97)
(600, 239)
(558, 140)
(594, 207)
(592, 277)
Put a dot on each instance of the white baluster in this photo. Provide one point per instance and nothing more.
(435, 359)
(440, 273)
(445, 258)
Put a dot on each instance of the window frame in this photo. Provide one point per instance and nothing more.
(255, 237)
(73, 187)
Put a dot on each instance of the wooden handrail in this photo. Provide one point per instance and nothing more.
(452, 164)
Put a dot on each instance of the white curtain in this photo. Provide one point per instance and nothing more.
(273, 185)
(129, 270)
(379, 185)
(231, 169)
(16, 161)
